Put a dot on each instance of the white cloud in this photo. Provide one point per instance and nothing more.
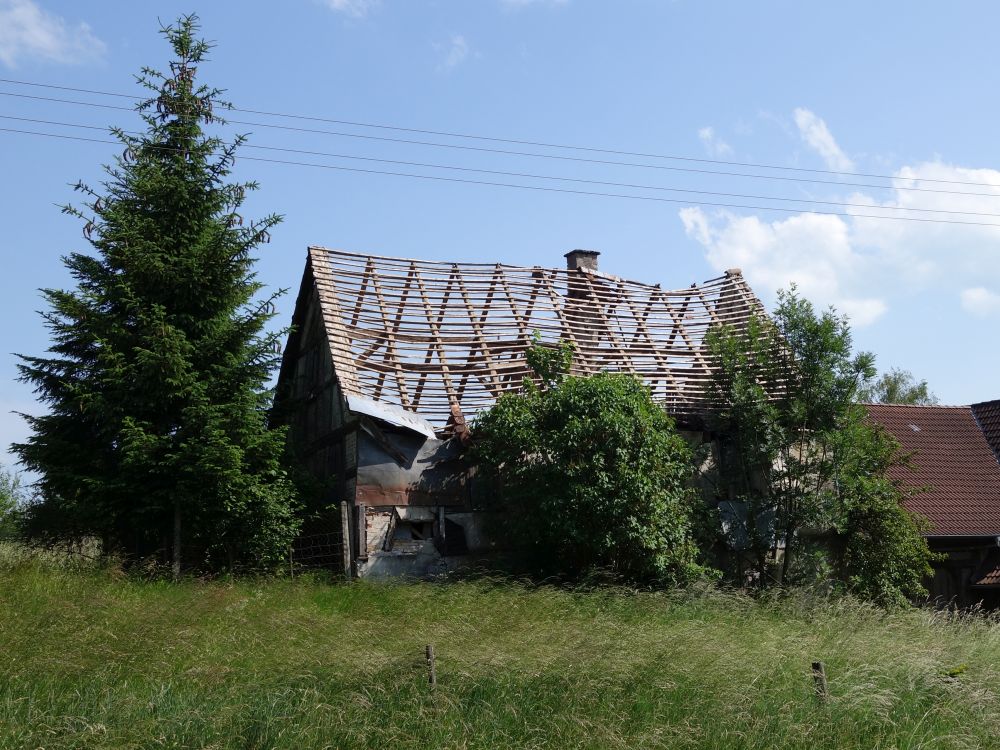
(353, 8)
(455, 52)
(814, 132)
(862, 312)
(860, 264)
(810, 250)
(29, 32)
(979, 300)
(714, 146)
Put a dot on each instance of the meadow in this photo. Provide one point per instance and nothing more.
(94, 658)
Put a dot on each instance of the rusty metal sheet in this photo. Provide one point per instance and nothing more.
(411, 470)
(383, 496)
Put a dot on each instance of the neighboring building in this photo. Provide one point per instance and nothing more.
(988, 416)
(955, 469)
(389, 357)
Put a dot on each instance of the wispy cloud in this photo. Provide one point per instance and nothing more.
(714, 146)
(811, 250)
(28, 32)
(814, 132)
(861, 264)
(455, 52)
(353, 8)
(979, 300)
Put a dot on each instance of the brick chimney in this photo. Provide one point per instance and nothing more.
(579, 308)
(577, 259)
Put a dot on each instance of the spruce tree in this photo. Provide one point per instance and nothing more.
(156, 438)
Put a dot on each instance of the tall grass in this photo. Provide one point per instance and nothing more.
(94, 659)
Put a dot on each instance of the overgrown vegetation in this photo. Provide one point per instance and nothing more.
(590, 474)
(897, 386)
(155, 441)
(100, 661)
(803, 471)
(12, 497)
(879, 552)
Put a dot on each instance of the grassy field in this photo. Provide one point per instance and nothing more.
(92, 659)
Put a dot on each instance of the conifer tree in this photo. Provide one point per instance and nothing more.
(156, 437)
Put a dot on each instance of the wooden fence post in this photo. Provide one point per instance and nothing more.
(819, 680)
(431, 671)
(345, 537)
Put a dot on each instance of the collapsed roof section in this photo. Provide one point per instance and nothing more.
(430, 336)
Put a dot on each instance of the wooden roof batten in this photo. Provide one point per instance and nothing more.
(430, 336)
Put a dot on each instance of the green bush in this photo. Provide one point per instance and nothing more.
(589, 474)
(11, 499)
(883, 555)
(801, 459)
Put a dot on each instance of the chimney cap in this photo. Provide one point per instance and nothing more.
(580, 251)
(734, 272)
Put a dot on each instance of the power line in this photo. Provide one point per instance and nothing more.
(515, 141)
(529, 175)
(539, 187)
(606, 162)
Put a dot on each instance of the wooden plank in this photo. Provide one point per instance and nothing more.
(436, 344)
(598, 306)
(480, 336)
(336, 340)
(392, 356)
(641, 327)
(401, 331)
(345, 539)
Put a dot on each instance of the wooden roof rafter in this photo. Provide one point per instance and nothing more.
(431, 335)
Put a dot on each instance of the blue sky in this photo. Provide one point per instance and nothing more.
(892, 89)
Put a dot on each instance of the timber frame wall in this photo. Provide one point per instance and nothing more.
(445, 340)
(309, 400)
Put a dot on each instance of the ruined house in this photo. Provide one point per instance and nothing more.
(954, 470)
(390, 359)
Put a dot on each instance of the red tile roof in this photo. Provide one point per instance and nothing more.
(988, 416)
(988, 572)
(952, 458)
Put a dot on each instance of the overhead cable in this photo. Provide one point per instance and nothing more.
(570, 191)
(508, 152)
(521, 142)
(529, 175)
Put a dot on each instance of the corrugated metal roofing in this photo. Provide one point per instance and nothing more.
(953, 460)
(426, 335)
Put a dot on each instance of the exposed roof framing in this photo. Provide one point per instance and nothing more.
(426, 335)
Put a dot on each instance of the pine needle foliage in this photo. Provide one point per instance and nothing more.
(156, 439)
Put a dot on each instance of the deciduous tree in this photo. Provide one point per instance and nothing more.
(799, 458)
(590, 474)
(897, 387)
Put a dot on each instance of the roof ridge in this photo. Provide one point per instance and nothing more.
(711, 282)
(919, 406)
